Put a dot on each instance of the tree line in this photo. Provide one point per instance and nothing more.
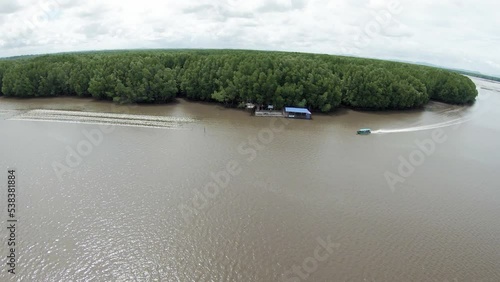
(234, 77)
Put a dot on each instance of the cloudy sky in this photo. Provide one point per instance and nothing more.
(452, 33)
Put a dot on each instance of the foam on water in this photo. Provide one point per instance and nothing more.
(103, 118)
(454, 122)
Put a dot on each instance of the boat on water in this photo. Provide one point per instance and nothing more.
(364, 131)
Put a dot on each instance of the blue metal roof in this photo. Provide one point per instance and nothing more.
(297, 110)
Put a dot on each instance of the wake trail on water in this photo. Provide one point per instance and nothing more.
(454, 122)
(104, 119)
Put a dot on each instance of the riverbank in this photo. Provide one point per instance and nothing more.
(178, 107)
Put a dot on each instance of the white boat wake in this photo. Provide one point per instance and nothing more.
(104, 118)
(454, 122)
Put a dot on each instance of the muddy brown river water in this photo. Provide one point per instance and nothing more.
(197, 192)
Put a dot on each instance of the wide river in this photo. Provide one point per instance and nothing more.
(197, 192)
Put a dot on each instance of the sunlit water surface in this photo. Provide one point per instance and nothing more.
(134, 206)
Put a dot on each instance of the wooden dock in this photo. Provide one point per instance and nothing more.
(269, 114)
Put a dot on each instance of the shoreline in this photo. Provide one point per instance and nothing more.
(213, 113)
(182, 100)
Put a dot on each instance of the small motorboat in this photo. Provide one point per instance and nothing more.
(364, 131)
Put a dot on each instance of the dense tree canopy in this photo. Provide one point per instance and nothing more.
(318, 82)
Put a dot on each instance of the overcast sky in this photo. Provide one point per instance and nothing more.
(452, 33)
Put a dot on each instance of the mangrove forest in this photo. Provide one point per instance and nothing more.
(234, 77)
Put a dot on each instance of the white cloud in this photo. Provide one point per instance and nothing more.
(453, 33)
